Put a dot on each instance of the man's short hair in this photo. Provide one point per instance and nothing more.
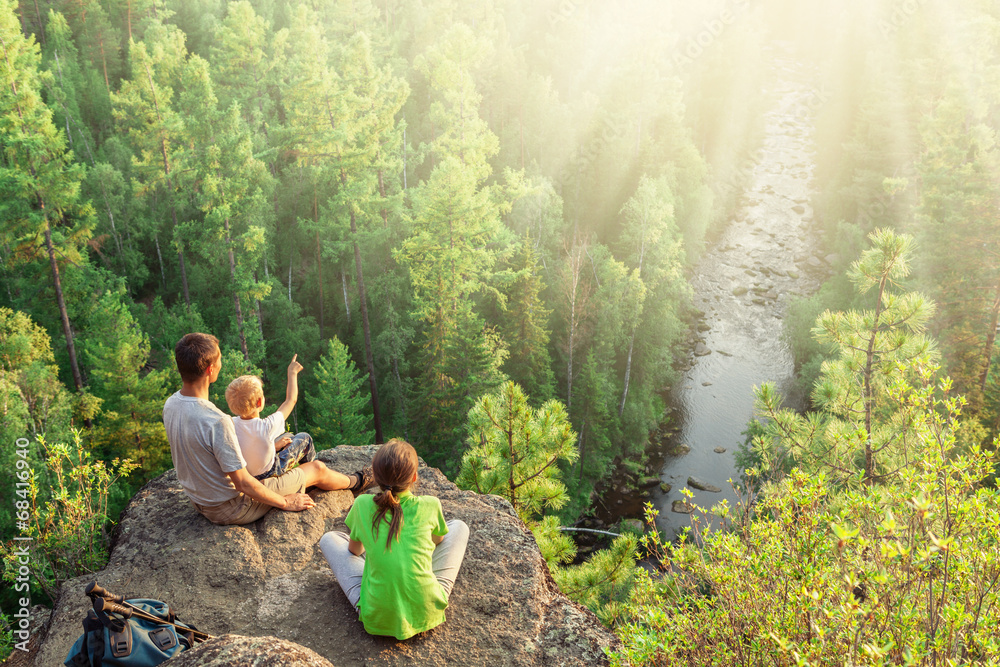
(194, 353)
(242, 394)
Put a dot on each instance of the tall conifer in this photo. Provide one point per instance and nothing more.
(39, 183)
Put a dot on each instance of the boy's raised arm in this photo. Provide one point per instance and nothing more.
(292, 388)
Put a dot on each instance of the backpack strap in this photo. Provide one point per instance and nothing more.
(121, 640)
(163, 637)
(98, 648)
(91, 626)
(81, 659)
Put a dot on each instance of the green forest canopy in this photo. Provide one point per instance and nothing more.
(461, 193)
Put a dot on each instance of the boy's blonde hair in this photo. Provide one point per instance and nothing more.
(242, 394)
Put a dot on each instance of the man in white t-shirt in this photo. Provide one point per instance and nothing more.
(209, 463)
(268, 449)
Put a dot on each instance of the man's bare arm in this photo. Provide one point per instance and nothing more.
(247, 484)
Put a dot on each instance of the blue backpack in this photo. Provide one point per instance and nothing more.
(129, 633)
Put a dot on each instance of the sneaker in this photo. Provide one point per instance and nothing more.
(366, 480)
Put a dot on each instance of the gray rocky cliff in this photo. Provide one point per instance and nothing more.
(270, 579)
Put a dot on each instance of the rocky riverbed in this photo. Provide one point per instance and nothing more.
(767, 255)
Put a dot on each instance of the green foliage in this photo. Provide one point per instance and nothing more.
(246, 160)
(556, 546)
(514, 451)
(524, 326)
(859, 425)
(64, 496)
(592, 411)
(338, 400)
(165, 326)
(991, 398)
(130, 425)
(288, 330)
(6, 637)
(932, 172)
(39, 183)
(34, 400)
(243, 62)
(808, 352)
(603, 583)
(237, 153)
(40, 202)
(882, 574)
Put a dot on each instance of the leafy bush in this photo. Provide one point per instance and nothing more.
(67, 506)
(903, 572)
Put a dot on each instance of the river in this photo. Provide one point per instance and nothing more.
(743, 283)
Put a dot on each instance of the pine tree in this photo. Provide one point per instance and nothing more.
(144, 108)
(524, 327)
(66, 86)
(234, 194)
(117, 353)
(100, 41)
(372, 98)
(343, 106)
(337, 404)
(860, 423)
(514, 451)
(313, 106)
(39, 183)
(576, 289)
(654, 250)
(457, 240)
(959, 170)
(592, 415)
(34, 401)
(538, 214)
(450, 257)
(245, 59)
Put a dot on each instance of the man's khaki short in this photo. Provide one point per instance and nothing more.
(244, 509)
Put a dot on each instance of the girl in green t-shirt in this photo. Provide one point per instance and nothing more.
(399, 563)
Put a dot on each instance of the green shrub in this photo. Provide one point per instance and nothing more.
(902, 572)
(66, 503)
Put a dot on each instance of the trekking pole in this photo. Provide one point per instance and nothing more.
(93, 590)
(107, 602)
(104, 606)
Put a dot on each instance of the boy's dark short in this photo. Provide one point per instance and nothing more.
(300, 450)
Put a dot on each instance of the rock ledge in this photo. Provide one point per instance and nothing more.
(270, 579)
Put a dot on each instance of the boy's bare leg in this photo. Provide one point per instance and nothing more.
(317, 474)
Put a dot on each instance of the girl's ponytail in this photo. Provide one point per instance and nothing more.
(394, 465)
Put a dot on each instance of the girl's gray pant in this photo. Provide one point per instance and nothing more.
(348, 568)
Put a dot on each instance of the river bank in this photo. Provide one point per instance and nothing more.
(768, 254)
